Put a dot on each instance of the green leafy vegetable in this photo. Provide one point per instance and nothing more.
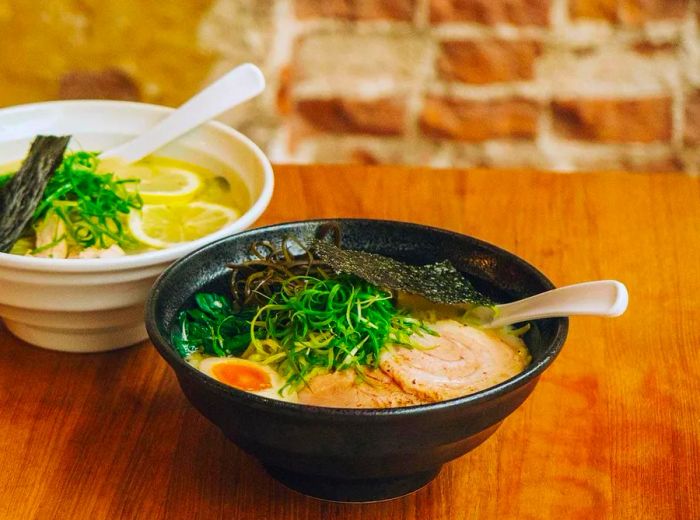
(212, 327)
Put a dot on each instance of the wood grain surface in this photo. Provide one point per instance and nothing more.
(612, 430)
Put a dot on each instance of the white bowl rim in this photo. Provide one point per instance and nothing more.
(151, 257)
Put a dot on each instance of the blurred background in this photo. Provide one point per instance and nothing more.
(555, 84)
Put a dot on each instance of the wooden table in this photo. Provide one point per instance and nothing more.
(612, 430)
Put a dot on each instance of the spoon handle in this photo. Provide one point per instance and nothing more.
(237, 86)
(600, 298)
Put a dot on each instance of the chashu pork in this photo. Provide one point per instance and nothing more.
(50, 238)
(460, 361)
(343, 389)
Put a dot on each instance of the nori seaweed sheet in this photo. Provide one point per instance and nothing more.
(20, 196)
(439, 282)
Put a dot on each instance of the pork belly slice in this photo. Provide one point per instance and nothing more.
(344, 389)
(460, 361)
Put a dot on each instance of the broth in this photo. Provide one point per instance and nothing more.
(339, 340)
(170, 202)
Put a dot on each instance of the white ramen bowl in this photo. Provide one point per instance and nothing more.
(93, 305)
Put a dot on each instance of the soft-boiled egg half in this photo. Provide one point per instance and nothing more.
(250, 376)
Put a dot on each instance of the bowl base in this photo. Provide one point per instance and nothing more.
(78, 340)
(352, 490)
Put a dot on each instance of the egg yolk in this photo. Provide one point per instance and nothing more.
(244, 377)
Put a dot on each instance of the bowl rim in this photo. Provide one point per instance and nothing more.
(149, 258)
(168, 353)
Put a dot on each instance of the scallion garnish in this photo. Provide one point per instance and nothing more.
(328, 324)
(91, 205)
(291, 311)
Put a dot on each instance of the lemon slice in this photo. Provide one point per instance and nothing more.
(163, 184)
(161, 225)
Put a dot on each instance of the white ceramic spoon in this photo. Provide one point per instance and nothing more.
(235, 87)
(601, 298)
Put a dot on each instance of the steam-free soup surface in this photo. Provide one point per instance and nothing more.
(101, 209)
(338, 340)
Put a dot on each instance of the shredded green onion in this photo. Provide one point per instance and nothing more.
(309, 326)
(329, 324)
(91, 205)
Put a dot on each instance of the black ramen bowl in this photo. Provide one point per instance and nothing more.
(356, 455)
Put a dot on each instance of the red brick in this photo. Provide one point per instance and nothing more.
(103, 84)
(362, 156)
(339, 58)
(355, 9)
(692, 118)
(284, 96)
(491, 12)
(596, 9)
(660, 165)
(467, 120)
(378, 117)
(614, 120)
(629, 12)
(487, 61)
(648, 48)
(635, 12)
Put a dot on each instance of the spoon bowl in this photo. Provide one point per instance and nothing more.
(600, 298)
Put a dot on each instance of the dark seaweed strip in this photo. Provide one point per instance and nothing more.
(20, 196)
(439, 282)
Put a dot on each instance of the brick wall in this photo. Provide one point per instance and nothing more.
(557, 84)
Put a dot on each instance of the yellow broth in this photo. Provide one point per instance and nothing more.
(218, 185)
